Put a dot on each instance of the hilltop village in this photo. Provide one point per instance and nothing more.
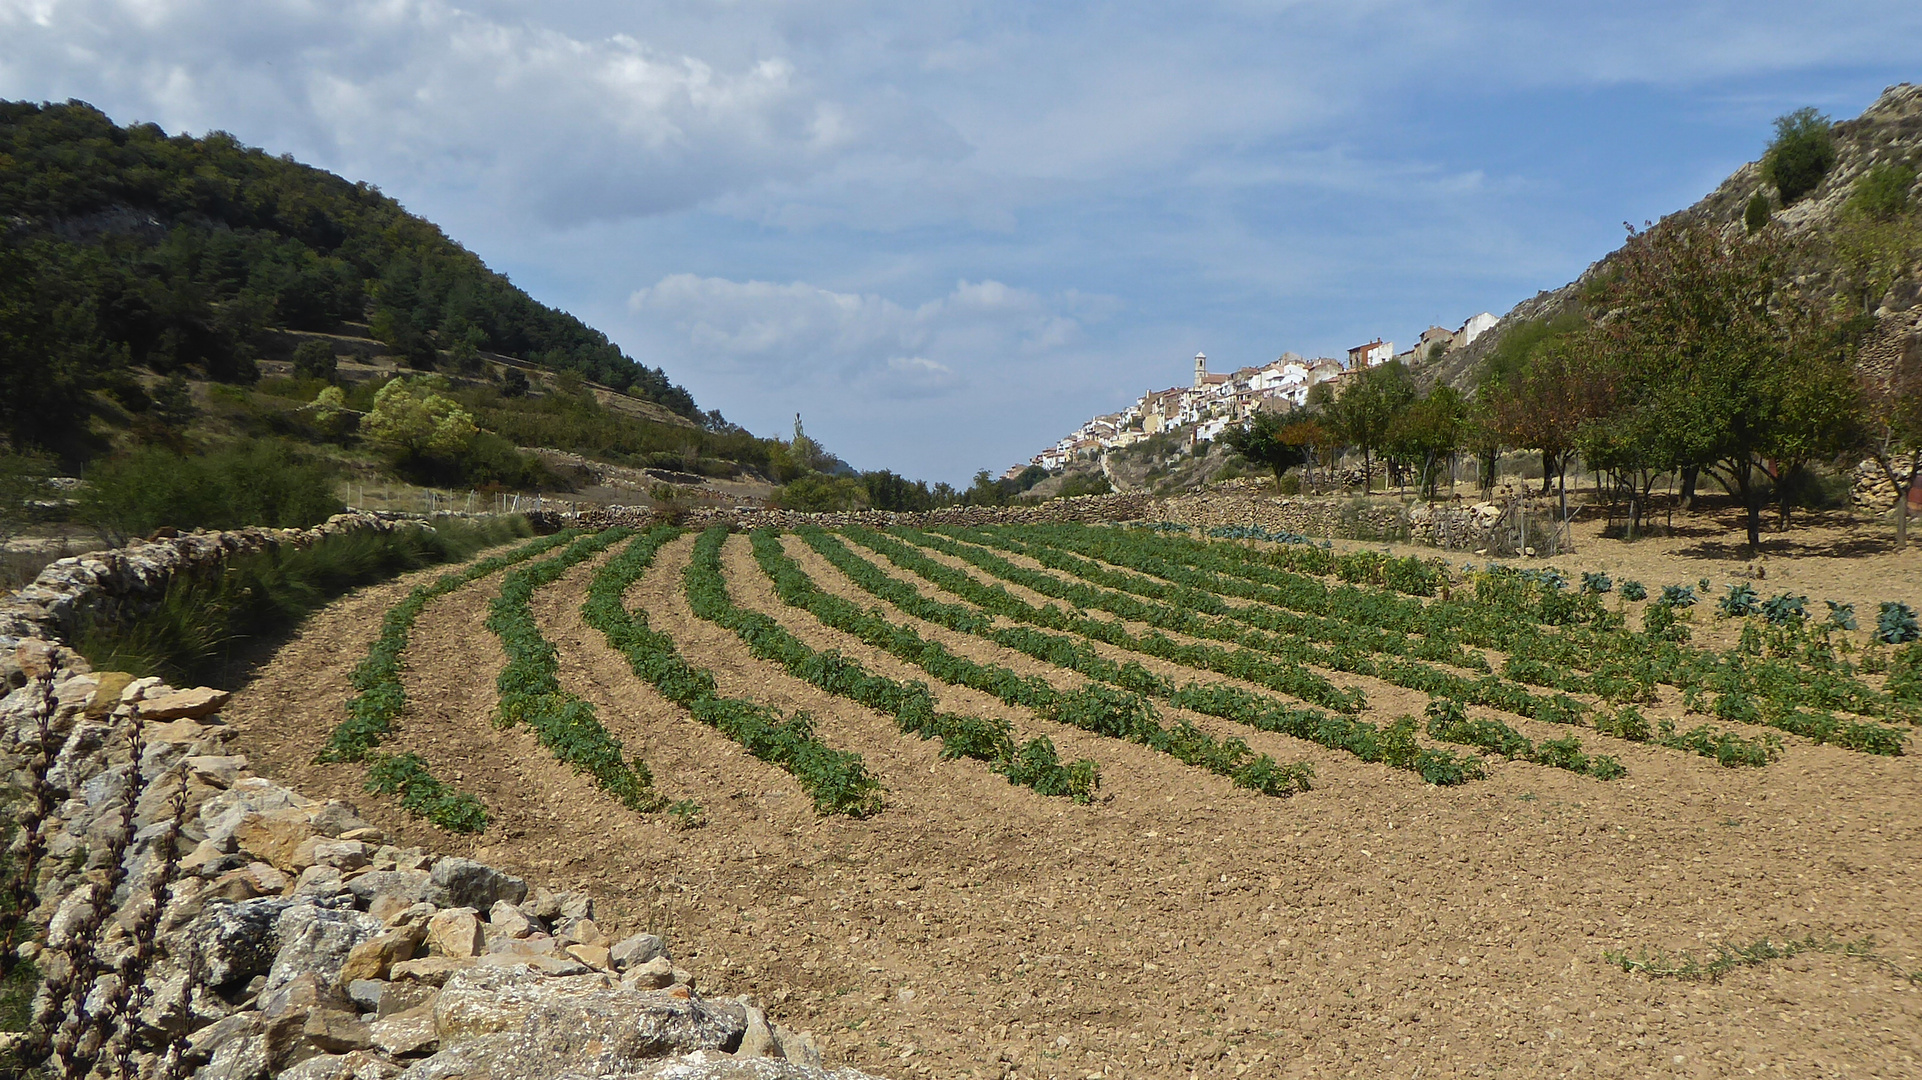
(1215, 401)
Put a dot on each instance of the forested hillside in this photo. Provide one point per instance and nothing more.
(128, 248)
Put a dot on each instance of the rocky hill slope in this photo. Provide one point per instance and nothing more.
(1889, 132)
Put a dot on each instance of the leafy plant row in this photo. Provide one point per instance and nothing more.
(1285, 675)
(1395, 748)
(1033, 764)
(1449, 722)
(836, 780)
(530, 688)
(380, 697)
(1352, 647)
(1118, 713)
(1629, 667)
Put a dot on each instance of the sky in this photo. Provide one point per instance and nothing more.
(947, 232)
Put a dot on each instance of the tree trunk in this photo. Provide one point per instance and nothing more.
(1548, 472)
(1751, 501)
(1689, 476)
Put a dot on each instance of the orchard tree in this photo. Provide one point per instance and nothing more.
(1429, 432)
(1365, 412)
(1891, 427)
(1711, 351)
(1274, 441)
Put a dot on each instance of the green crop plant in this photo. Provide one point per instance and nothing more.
(1633, 590)
(380, 696)
(991, 741)
(530, 689)
(1785, 609)
(422, 795)
(1449, 722)
(836, 780)
(1227, 702)
(1895, 624)
(1739, 601)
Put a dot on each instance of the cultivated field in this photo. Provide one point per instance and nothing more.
(1070, 801)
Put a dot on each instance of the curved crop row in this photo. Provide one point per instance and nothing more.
(1286, 676)
(1588, 652)
(530, 688)
(1393, 747)
(1352, 648)
(1289, 590)
(1092, 707)
(836, 780)
(381, 697)
(1033, 764)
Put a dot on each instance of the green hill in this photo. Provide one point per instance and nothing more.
(128, 254)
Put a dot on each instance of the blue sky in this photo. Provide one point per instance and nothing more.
(947, 232)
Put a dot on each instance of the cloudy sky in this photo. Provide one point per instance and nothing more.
(946, 232)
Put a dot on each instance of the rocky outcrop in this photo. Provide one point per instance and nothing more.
(260, 933)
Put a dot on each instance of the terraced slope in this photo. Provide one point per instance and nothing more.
(1351, 817)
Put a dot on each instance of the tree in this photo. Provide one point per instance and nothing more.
(1428, 432)
(1891, 427)
(1540, 403)
(817, 493)
(1364, 412)
(1801, 154)
(1273, 441)
(315, 359)
(1705, 342)
(412, 419)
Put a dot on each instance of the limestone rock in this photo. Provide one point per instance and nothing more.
(406, 1032)
(358, 1065)
(238, 941)
(511, 1024)
(505, 920)
(466, 883)
(216, 771)
(650, 975)
(638, 949)
(275, 837)
(407, 886)
(375, 958)
(317, 940)
(185, 704)
(454, 933)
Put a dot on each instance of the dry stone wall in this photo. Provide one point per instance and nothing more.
(195, 919)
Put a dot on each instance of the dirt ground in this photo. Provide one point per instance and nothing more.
(1374, 926)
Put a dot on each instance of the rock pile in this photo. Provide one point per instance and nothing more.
(201, 920)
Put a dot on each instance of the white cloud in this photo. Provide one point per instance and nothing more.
(798, 332)
(572, 127)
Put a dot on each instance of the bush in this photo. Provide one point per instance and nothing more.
(1801, 154)
(1882, 192)
(1756, 216)
(819, 493)
(263, 482)
(316, 360)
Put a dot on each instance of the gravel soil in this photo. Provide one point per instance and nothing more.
(1374, 926)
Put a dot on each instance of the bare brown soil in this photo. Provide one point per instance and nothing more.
(1372, 927)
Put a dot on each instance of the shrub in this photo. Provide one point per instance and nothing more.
(316, 360)
(1882, 192)
(1801, 154)
(1757, 215)
(261, 482)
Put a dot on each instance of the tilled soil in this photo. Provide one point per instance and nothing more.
(1374, 926)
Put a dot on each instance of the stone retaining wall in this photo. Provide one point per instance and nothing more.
(199, 920)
